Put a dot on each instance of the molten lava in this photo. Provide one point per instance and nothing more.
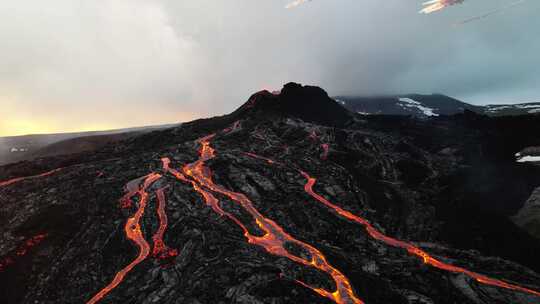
(426, 258)
(411, 249)
(275, 238)
(133, 232)
(22, 250)
(161, 250)
(18, 179)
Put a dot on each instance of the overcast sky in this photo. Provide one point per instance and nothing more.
(70, 65)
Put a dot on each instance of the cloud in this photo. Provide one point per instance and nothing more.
(109, 63)
(76, 64)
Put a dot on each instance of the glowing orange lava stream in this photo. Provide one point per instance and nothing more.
(275, 238)
(133, 232)
(161, 250)
(18, 179)
(427, 259)
(376, 234)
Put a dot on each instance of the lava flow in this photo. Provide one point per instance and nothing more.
(22, 250)
(376, 234)
(275, 238)
(427, 259)
(161, 250)
(18, 179)
(133, 232)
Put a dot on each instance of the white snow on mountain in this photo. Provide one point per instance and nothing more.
(410, 103)
(527, 106)
(528, 158)
(341, 102)
(530, 154)
(532, 108)
(491, 108)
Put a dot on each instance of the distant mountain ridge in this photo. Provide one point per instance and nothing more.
(26, 147)
(423, 106)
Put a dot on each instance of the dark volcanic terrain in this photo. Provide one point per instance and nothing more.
(289, 199)
(29, 147)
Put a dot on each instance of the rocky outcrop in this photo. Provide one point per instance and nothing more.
(528, 217)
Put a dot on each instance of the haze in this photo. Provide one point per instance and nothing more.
(70, 65)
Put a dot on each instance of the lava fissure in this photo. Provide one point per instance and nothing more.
(18, 179)
(133, 232)
(411, 249)
(275, 238)
(268, 160)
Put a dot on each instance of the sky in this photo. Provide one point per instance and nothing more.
(73, 65)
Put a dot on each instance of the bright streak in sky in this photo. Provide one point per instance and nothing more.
(437, 5)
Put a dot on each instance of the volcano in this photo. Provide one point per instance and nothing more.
(289, 199)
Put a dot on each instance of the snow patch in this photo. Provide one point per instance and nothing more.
(341, 102)
(410, 103)
(534, 108)
(527, 106)
(528, 158)
(497, 108)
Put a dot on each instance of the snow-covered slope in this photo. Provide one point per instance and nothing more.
(513, 109)
(528, 155)
(425, 106)
(415, 106)
(418, 105)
